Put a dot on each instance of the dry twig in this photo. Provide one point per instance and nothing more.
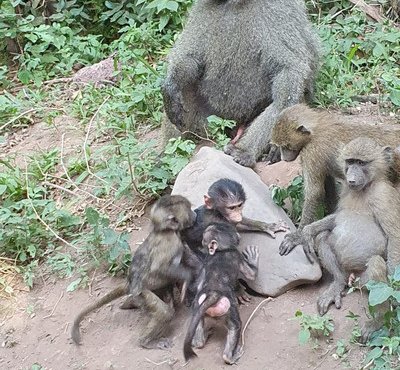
(252, 314)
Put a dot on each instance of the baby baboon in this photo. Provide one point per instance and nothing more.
(242, 60)
(217, 283)
(363, 236)
(317, 137)
(224, 202)
(155, 268)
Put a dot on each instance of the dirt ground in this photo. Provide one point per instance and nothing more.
(35, 329)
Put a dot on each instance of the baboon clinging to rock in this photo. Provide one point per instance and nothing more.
(363, 236)
(317, 138)
(244, 60)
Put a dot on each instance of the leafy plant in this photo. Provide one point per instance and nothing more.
(384, 344)
(291, 198)
(217, 130)
(313, 326)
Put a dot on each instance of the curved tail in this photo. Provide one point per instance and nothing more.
(209, 301)
(109, 297)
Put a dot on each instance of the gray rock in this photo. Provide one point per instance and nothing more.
(276, 274)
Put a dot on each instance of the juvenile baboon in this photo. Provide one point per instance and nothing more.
(317, 137)
(155, 268)
(363, 236)
(224, 202)
(244, 60)
(217, 283)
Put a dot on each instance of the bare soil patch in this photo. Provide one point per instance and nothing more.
(35, 326)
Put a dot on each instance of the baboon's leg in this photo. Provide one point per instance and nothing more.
(199, 339)
(168, 131)
(331, 195)
(233, 348)
(160, 315)
(376, 271)
(328, 259)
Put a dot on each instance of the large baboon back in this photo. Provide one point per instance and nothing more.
(244, 60)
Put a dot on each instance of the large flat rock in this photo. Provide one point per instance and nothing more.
(276, 274)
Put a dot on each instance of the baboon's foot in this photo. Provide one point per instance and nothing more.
(241, 156)
(232, 357)
(367, 328)
(162, 343)
(332, 295)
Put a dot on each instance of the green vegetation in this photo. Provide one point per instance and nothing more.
(314, 326)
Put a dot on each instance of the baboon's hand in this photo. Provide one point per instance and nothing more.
(251, 255)
(293, 240)
(273, 228)
(242, 296)
(174, 109)
(272, 154)
(241, 156)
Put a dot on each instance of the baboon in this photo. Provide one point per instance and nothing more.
(155, 268)
(363, 236)
(224, 202)
(244, 60)
(317, 137)
(217, 283)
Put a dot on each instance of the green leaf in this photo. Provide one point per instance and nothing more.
(92, 216)
(374, 354)
(110, 237)
(24, 76)
(73, 285)
(379, 293)
(396, 275)
(396, 295)
(395, 97)
(3, 188)
(304, 336)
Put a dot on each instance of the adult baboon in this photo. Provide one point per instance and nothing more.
(244, 60)
(363, 236)
(155, 268)
(217, 283)
(317, 137)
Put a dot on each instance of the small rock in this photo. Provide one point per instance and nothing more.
(276, 274)
(108, 365)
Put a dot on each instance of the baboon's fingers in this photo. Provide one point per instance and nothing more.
(286, 247)
(309, 253)
(271, 233)
(338, 301)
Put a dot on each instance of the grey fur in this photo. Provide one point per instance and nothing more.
(244, 60)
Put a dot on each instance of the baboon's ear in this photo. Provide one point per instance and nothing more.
(388, 153)
(172, 223)
(208, 202)
(303, 130)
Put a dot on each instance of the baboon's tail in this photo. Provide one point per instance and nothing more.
(109, 297)
(201, 309)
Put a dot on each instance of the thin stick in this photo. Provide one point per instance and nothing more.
(252, 314)
(156, 363)
(54, 308)
(18, 117)
(60, 188)
(66, 171)
(37, 214)
(87, 138)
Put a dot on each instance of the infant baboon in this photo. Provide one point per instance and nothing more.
(244, 60)
(217, 283)
(224, 202)
(155, 268)
(317, 137)
(363, 236)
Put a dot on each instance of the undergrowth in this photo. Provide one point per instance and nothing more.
(58, 211)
